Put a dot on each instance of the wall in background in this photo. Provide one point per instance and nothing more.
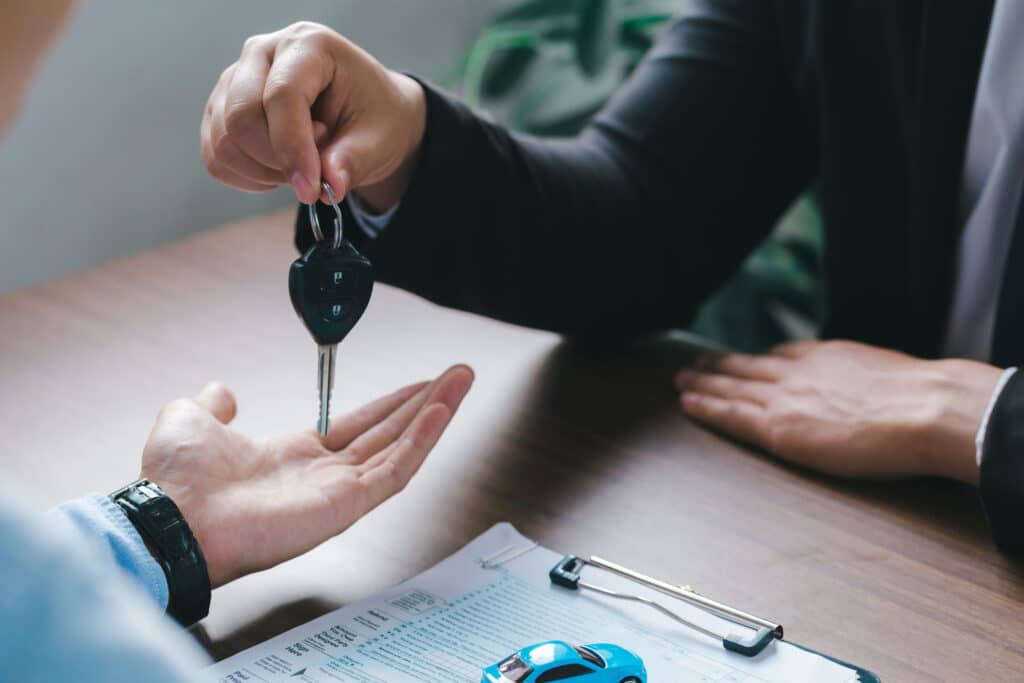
(105, 159)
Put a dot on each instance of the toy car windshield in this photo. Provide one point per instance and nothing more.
(590, 656)
(514, 669)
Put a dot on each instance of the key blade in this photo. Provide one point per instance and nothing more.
(325, 382)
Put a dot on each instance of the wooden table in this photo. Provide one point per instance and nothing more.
(583, 451)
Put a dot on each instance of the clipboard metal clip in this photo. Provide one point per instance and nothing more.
(567, 575)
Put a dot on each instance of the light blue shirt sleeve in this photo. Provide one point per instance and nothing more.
(104, 525)
(371, 225)
(78, 604)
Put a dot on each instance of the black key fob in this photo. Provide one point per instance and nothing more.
(330, 289)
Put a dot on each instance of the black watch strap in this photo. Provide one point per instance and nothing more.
(163, 528)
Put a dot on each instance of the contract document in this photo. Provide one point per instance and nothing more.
(451, 621)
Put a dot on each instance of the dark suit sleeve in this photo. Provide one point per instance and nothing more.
(1002, 468)
(628, 227)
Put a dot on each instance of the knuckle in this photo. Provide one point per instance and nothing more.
(242, 119)
(178, 409)
(305, 30)
(180, 405)
(276, 92)
(223, 79)
(223, 149)
(311, 38)
(254, 43)
(226, 75)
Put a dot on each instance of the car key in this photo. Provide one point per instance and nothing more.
(330, 286)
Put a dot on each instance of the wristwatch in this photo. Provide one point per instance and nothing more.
(163, 528)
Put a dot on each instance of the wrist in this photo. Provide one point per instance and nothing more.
(958, 405)
(381, 196)
(170, 541)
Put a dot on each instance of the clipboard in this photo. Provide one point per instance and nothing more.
(494, 595)
(756, 634)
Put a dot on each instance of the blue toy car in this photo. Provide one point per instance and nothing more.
(558, 661)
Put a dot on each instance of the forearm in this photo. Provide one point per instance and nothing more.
(524, 230)
(623, 229)
(491, 223)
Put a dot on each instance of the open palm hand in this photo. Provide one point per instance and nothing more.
(253, 504)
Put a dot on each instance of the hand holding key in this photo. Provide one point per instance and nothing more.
(330, 287)
(304, 104)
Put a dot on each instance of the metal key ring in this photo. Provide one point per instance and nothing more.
(314, 219)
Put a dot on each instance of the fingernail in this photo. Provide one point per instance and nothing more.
(463, 366)
(688, 400)
(684, 377)
(303, 188)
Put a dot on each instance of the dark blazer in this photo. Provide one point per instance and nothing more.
(741, 106)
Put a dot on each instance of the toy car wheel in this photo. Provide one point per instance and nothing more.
(630, 680)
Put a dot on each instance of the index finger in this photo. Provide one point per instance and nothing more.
(244, 117)
(764, 367)
(295, 81)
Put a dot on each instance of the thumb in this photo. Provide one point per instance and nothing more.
(349, 161)
(218, 400)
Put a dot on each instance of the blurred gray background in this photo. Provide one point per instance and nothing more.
(105, 158)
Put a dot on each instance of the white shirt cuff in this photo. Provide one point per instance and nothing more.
(370, 224)
(979, 438)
